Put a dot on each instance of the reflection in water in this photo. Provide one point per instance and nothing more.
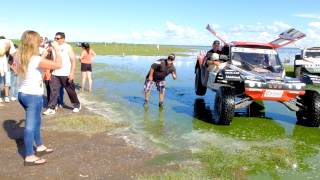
(201, 111)
(152, 124)
(204, 112)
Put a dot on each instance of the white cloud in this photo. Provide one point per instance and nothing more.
(258, 32)
(172, 33)
(314, 24)
(180, 32)
(308, 15)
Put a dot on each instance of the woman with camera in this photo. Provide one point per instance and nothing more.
(31, 90)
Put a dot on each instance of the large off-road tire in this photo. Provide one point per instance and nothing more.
(309, 113)
(297, 71)
(199, 88)
(224, 106)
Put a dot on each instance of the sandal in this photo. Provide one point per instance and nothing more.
(36, 162)
(44, 152)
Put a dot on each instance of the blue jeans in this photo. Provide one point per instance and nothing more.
(61, 94)
(13, 87)
(32, 105)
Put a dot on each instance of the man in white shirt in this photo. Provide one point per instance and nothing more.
(63, 77)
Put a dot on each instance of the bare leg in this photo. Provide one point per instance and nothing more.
(161, 97)
(89, 80)
(83, 81)
(146, 96)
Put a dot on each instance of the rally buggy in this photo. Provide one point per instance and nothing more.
(307, 65)
(252, 71)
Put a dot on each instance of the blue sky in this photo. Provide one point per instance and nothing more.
(162, 21)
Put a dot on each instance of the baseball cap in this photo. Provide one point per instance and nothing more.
(172, 56)
(216, 42)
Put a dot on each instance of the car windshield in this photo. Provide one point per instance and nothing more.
(313, 54)
(256, 58)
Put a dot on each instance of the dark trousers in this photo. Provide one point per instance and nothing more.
(55, 83)
(61, 93)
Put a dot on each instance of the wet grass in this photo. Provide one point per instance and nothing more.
(259, 161)
(241, 129)
(86, 124)
(289, 70)
(115, 73)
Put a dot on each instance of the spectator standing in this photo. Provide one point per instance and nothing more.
(31, 91)
(86, 58)
(63, 77)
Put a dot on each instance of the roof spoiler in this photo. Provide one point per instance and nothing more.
(210, 29)
(287, 37)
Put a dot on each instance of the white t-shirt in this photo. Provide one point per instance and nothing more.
(4, 59)
(32, 82)
(3, 65)
(66, 63)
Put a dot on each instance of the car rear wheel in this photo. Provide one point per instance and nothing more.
(199, 88)
(309, 113)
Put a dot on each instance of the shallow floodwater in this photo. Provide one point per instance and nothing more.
(261, 142)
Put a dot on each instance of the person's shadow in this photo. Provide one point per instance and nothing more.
(15, 132)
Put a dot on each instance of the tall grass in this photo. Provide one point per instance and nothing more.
(132, 49)
(129, 49)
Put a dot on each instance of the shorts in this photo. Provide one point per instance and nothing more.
(86, 67)
(149, 84)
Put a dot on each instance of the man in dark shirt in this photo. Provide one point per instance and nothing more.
(156, 75)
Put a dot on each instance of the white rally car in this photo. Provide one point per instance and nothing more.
(307, 65)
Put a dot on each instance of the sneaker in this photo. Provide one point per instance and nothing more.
(77, 109)
(6, 99)
(49, 112)
(1, 100)
(13, 98)
(58, 106)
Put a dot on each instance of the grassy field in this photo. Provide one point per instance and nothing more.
(289, 70)
(130, 49)
(133, 49)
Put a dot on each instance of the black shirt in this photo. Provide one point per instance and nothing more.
(209, 54)
(161, 70)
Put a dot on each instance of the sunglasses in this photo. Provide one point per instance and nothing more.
(56, 38)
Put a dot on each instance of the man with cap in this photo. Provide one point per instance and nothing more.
(215, 49)
(156, 75)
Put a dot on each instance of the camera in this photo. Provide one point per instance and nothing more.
(49, 42)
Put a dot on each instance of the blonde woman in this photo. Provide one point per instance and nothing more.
(86, 57)
(30, 67)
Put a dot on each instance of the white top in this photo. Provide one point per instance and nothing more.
(3, 65)
(66, 62)
(4, 59)
(32, 82)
